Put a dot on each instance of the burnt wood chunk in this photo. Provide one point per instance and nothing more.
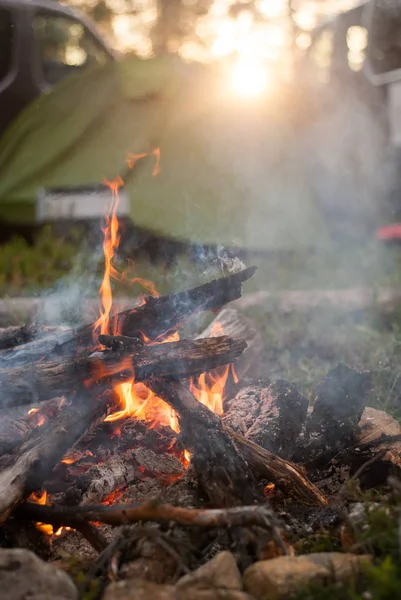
(276, 414)
(333, 424)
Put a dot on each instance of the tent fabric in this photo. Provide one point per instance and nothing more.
(232, 172)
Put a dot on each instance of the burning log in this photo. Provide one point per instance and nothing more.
(117, 472)
(26, 470)
(42, 380)
(222, 472)
(221, 457)
(159, 316)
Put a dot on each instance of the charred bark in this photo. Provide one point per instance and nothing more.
(225, 459)
(337, 410)
(42, 380)
(159, 316)
(26, 470)
(223, 474)
(269, 414)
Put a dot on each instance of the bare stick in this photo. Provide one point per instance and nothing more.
(241, 516)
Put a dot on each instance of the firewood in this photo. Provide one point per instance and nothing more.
(333, 424)
(69, 516)
(204, 436)
(17, 423)
(223, 474)
(237, 326)
(25, 471)
(42, 380)
(284, 474)
(269, 414)
(12, 337)
(117, 471)
(159, 316)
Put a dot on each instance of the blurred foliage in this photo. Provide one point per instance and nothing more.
(24, 267)
(174, 22)
(377, 536)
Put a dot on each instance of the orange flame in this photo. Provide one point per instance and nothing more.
(41, 498)
(135, 399)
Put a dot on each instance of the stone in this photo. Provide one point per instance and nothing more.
(137, 589)
(219, 572)
(211, 594)
(277, 578)
(373, 424)
(23, 575)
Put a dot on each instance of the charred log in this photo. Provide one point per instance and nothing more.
(223, 474)
(230, 455)
(26, 470)
(271, 415)
(165, 314)
(337, 410)
(17, 423)
(42, 380)
(117, 472)
(284, 474)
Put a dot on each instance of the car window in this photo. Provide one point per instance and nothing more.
(384, 48)
(65, 45)
(6, 42)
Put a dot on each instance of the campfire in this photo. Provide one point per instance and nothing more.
(121, 422)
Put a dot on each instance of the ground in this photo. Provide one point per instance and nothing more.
(299, 346)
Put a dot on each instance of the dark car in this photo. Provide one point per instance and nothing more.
(40, 43)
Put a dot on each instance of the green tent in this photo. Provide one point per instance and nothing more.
(232, 170)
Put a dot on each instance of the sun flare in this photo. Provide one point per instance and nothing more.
(249, 79)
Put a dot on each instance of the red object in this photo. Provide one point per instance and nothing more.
(389, 233)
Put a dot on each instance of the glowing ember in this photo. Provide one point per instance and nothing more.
(73, 457)
(32, 411)
(268, 490)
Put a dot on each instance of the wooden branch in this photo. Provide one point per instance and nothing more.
(41, 380)
(25, 472)
(201, 432)
(160, 315)
(222, 472)
(284, 474)
(241, 516)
